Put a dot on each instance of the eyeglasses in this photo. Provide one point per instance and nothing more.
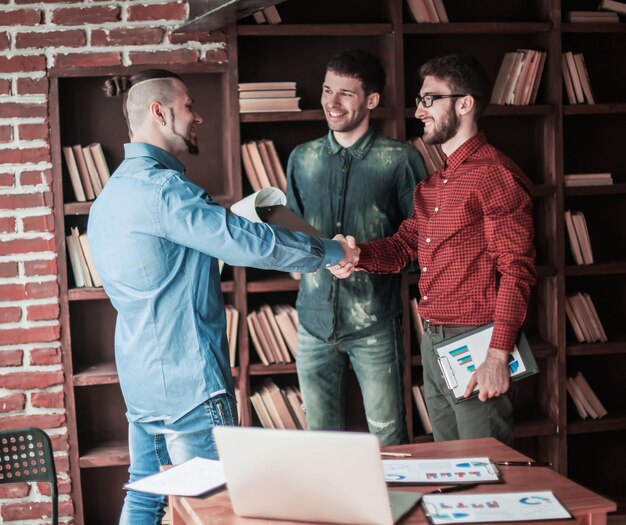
(427, 100)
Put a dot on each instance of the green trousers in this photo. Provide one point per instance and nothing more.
(467, 419)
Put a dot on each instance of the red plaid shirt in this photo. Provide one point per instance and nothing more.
(472, 233)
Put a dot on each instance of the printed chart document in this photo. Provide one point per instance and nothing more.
(459, 356)
(440, 471)
(268, 205)
(484, 508)
(192, 478)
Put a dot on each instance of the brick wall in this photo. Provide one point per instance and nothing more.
(35, 36)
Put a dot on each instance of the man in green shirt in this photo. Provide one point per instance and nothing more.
(359, 181)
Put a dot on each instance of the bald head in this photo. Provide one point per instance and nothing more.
(141, 96)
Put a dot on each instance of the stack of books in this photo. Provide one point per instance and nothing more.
(268, 15)
(585, 400)
(576, 78)
(433, 155)
(420, 404)
(584, 319)
(578, 235)
(588, 179)
(81, 261)
(613, 5)
(279, 408)
(273, 332)
(428, 11)
(232, 325)
(262, 165)
(260, 97)
(603, 17)
(518, 79)
(88, 170)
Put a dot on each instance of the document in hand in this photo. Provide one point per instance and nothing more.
(440, 471)
(460, 356)
(484, 508)
(192, 478)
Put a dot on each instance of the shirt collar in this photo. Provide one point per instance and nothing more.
(141, 149)
(358, 150)
(464, 151)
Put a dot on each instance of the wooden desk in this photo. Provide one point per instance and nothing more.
(587, 507)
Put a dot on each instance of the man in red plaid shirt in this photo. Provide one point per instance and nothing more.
(472, 233)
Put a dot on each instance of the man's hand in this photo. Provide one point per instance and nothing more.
(351, 252)
(492, 377)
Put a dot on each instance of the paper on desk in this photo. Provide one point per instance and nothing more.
(440, 471)
(192, 478)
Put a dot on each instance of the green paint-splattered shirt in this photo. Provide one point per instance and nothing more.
(366, 191)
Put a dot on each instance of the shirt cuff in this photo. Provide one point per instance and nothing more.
(504, 337)
(333, 252)
(366, 257)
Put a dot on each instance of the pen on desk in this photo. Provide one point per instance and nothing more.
(524, 463)
(454, 488)
(396, 454)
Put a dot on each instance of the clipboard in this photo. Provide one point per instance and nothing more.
(459, 356)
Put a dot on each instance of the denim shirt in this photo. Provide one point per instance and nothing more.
(156, 239)
(366, 191)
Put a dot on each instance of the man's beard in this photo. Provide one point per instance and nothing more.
(444, 132)
(192, 147)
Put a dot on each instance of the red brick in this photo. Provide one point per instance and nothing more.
(33, 420)
(8, 269)
(40, 223)
(6, 133)
(26, 246)
(15, 490)
(25, 200)
(43, 312)
(31, 335)
(22, 156)
(42, 290)
(13, 402)
(10, 314)
(7, 179)
(173, 11)
(12, 292)
(7, 224)
(28, 178)
(60, 443)
(19, 110)
(215, 56)
(20, 17)
(45, 356)
(32, 510)
(32, 86)
(62, 463)
(45, 1)
(47, 399)
(88, 60)
(4, 41)
(204, 37)
(11, 358)
(22, 64)
(31, 380)
(33, 131)
(131, 36)
(85, 15)
(5, 86)
(72, 38)
(39, 267)
(63, 487)
(164, 57)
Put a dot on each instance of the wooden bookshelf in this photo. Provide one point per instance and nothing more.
(546, 139)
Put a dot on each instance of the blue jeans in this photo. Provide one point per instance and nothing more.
(377, 361)
(155, 443)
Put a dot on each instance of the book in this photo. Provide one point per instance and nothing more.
(92, 170)
(271, 15)
(573, 73)
(266, 336)
(84, 244)
(295, 402)
(441, 11)
(276, 165)
(588, 179)
(613, 5)
(574, 321)
(584, 77)
(460, 356)
(530, 58)
(281, 405)
(267, 312)
(590, 395)
(259, 17)
(256, 342)
(595, 317)
(537, 77)
(572, 237)
(83, 172)
(77, 269)
(287, 329)
(583, 313)
(418, 11)
(575, 396)
(261, 410)
(256, 86)
(248, 168)
(268, 93)
(420, 403)
(503, 76)
(100, 162)
(267, 163)
(509, 89)
(81, 257)
(257, 163)
(432, 11)
(260, 105)
(232, 327)
(567, 81)
(72, 171)
(580, 225)
(592, 17)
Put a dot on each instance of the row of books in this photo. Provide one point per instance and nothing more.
(255, 97)
(232, 326)
(87, 169)
(576, 78)
(433, 155)
(585, 399)
(578, 235)
(422, 411)
(603, 17)
(588, 179)
(262, 165)
(269, 15)
(273, 330)
(428, 11)
(279, 408)
(519, 76)
(583, 318)
(81, 261)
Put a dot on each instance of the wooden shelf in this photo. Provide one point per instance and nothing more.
(100, 374)
(468, 28)
(589, 27)
(304, 30)
(107, 454)
(608, 423)
(279, 284)
(596, 349)
(583, 191)
(77, 208)
(306, 115)
(612, 268)
(98, 294)
(270, 370)
(594, 109)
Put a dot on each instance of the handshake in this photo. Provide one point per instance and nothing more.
(351, 252)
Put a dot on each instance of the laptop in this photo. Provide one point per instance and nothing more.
(315, 476)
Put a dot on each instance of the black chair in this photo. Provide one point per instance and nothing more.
(26, 455)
